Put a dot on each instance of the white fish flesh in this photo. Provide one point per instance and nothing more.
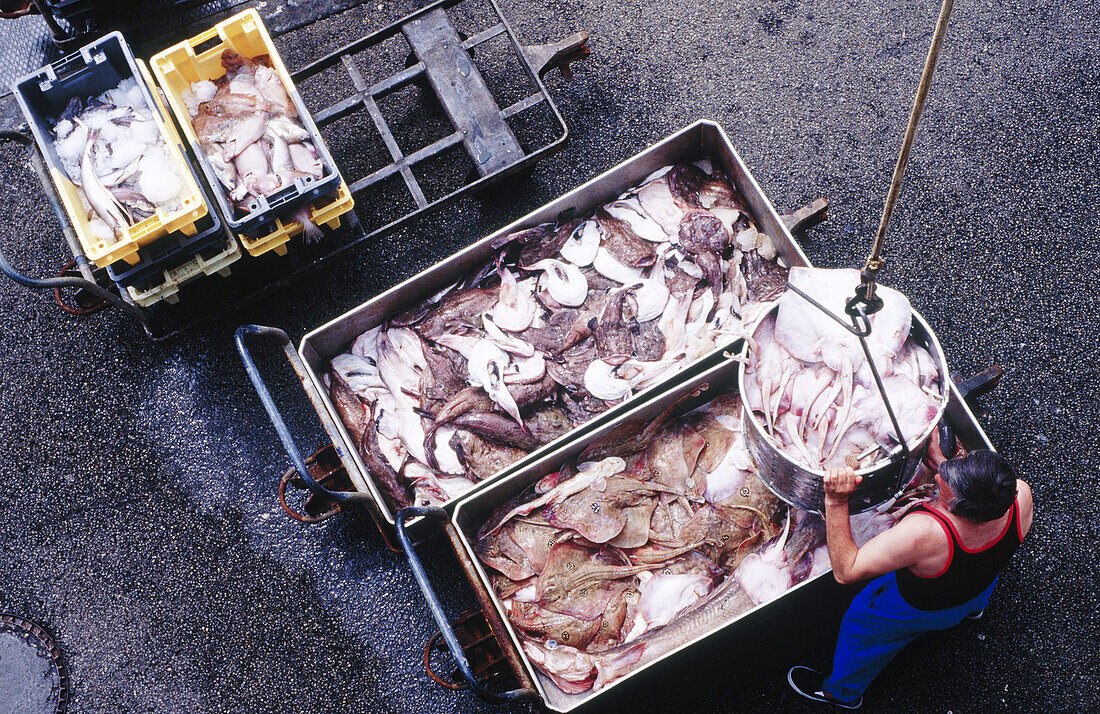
(581, 246)
(565, 283)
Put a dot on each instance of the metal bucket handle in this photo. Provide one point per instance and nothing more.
(436, 607)
(341, 498)
(61, 281)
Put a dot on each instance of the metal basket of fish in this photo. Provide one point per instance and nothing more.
(250, 131)
(822, 395)
(580, 309)
(116, 162)
(645, 536)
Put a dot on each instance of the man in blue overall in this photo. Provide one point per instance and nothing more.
(937, 566)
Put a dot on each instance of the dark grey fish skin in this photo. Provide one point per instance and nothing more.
(496, 427)
(533, 392)
(649, 341)
(549, 339)
(630, 437)
(623, 243)
(568, 369)
(526, 236)
(72, 110)
(582, 406)
(547, 246)
(352, 411)
(691, 187)
(685, 181)
(484, 458)
(598, 283)
(702, 230)
(467, 399)
(585, 320)
(612, 333)
(679, 282)
(384, 474)
(765, 279)
(442, 380)
(703, 235)
(548, 424)
(459, 309)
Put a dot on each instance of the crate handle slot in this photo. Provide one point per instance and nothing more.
(205, 42)
(342, 499)
(436, 607)
(62, 281)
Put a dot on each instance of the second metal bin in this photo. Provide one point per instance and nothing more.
(475, 508)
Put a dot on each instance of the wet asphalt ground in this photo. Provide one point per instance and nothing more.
(138, 518)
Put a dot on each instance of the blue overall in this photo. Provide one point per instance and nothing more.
(877, 626)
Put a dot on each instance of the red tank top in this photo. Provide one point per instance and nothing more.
(967, 573)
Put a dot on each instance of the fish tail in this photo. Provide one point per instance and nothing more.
(310, 231)
(610, 669)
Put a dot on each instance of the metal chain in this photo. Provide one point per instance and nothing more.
(875, 262)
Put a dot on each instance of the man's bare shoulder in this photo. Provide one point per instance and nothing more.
(924, 528)
(1027, 505)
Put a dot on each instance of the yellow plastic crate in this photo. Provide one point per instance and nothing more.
(160, 223)
(177, 67)
(325, 212)
(192, 269)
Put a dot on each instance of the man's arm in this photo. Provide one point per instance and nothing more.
(904, 545)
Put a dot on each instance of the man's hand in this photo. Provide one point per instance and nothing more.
(840, 483)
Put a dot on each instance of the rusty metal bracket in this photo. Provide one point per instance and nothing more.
(478, 643)
(806, 217)
(979, 383)
(86, 303)
(558, 55)
(326, 469)
(24, 8)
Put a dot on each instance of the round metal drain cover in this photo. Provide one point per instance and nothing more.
(32, 673)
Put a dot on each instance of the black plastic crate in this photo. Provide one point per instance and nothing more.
(169, 252)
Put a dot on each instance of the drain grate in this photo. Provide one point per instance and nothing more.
(33, 676)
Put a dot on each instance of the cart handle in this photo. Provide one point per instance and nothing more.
(63, 281)
(340, 497)
(436, 607)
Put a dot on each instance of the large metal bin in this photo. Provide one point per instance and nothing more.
(471, 510)
(318, 347)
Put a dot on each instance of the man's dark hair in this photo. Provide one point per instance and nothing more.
(984, 485)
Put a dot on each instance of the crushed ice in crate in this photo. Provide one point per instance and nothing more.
(112, 143)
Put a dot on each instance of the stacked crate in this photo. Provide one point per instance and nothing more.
(267, 227)
(154, 256)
